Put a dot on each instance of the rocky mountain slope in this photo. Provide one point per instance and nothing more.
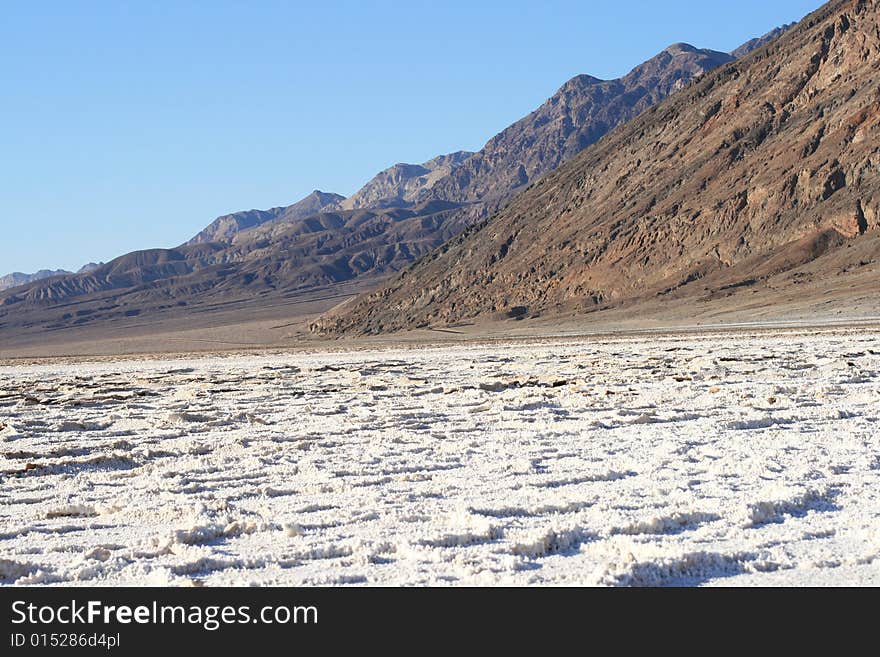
(579, 113)
(765, 172)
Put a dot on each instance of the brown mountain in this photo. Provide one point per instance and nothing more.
(762, 176)
(269, 257)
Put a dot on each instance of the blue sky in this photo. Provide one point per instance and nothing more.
(127, 125)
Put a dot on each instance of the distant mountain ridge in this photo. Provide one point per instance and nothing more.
(754, 44)
(400, 185)
(404, 184)
(17, 278)
(223, 228)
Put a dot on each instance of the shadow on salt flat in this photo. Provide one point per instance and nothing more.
(798, 505)
(688, 570)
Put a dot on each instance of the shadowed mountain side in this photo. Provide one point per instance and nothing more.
(766, 165)
(281, 259)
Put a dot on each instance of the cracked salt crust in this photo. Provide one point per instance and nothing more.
(715, 459)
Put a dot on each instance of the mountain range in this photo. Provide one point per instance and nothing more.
(17, 278)
(759, 181)
(307, 249)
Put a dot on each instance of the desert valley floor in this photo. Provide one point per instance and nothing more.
(727, 458)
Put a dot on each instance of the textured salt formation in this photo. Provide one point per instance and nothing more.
(715, 459)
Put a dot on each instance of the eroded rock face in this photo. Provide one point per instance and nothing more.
(764, 165)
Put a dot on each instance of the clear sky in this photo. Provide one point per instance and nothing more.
(127, 125)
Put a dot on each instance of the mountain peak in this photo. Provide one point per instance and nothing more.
(88, 267)
(580, 81)
(754, 44)
(325, 195)
(680, 47)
